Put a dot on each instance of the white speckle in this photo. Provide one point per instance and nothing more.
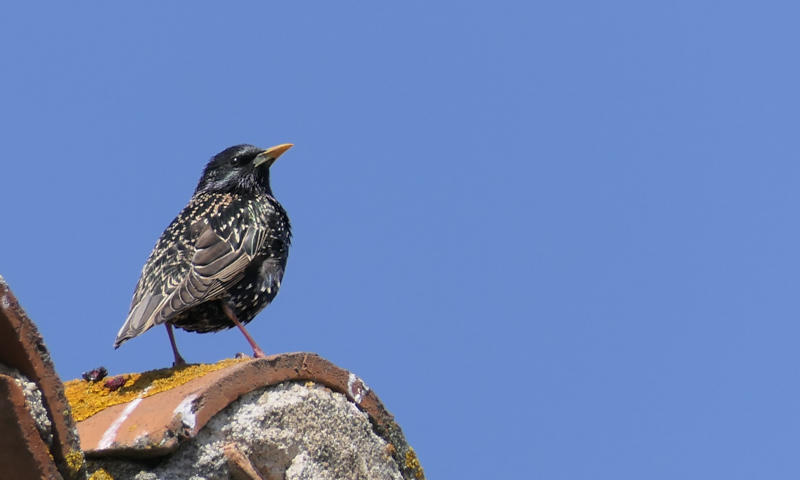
(111, 433)
(186, 410)
(249, 286)
(4, 301)
(356, 388)
(263, 287)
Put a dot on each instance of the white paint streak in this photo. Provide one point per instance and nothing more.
(186, 410)
(111, 434)
(356, 388)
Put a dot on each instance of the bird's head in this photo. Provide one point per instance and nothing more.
(240, 169)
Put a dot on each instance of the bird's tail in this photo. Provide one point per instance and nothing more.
(141, 318)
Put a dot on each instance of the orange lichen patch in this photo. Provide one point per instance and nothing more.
(74, 461)
(101, 474)
(412, 462)
(88, 398)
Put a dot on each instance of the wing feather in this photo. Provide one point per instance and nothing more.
(197, 273)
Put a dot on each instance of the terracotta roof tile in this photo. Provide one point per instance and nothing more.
(22, 347)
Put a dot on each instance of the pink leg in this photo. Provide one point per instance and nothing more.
(178, 359)
(257, 352)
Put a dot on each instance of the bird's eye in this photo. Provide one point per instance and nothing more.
(236, 161)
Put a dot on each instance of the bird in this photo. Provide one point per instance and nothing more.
(222, 259)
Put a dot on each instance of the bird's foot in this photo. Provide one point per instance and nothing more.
(258, 353)
(179, 361)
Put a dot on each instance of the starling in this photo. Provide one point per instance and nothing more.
(221, 261)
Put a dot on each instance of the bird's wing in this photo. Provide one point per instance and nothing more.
(222, 251)
(219, 261)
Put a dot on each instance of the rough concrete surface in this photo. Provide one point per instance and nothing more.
(292, 430)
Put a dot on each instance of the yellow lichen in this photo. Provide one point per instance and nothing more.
(101, 474)
(88, 398)
(412, 462)
(74, 461)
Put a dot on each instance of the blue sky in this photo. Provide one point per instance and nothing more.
(558, 240)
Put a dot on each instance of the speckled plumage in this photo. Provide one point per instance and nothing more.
(229, 245)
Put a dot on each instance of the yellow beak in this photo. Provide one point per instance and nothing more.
(271, 154)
